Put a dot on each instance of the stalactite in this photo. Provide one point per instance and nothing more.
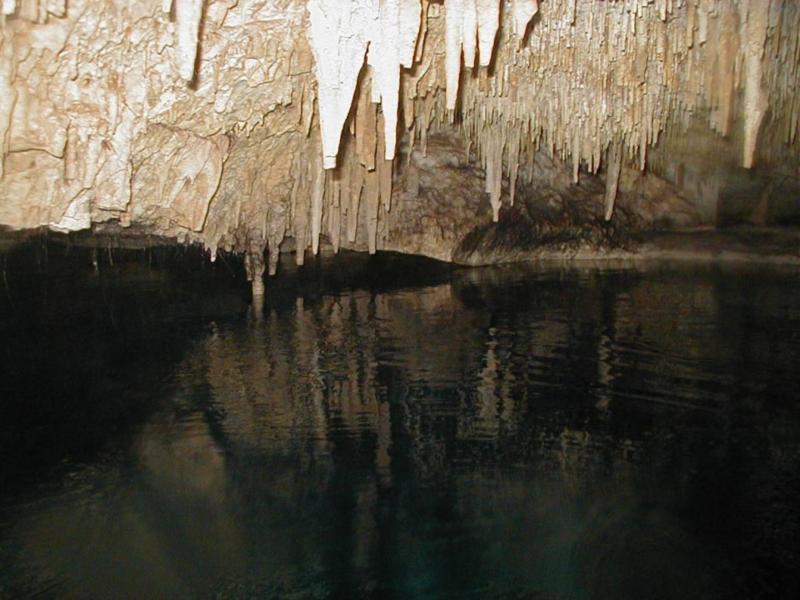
(385, 178)
(522, 12)
(488, 24)
(466, 22)
(372, 205)
(613, 168)
(513, 162)
(334, 191)
(317, 195)
(756, 101)
(493, 158)
(354, 196)
(340, 32)
(339, 39)
(300, 208)
(391, 48)
(275, 234)
(469, 32)
(188, 14)
(366, 122)
(254, 262)
(454, 34)
(725, 73)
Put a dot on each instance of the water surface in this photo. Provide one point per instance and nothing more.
(394, 428)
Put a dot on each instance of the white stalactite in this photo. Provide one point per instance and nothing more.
(465, 22)
(470, 33)
(339, 35)
(488, 24)
(454, 34)
(188, 14)
(340, 32)
(522, 11)
(392, 46)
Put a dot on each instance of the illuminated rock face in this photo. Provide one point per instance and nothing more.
(239, 123)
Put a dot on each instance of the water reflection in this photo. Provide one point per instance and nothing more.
(553, 434)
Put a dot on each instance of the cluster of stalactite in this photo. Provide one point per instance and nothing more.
(595, 84)
(223, 121)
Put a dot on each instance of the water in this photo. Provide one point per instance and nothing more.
(392, 428)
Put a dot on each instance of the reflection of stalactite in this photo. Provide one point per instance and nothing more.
(508, 401)
(487, 422)
(574, 446)
(307, 356)
(605, 375)
(310, 376)
(383, 457)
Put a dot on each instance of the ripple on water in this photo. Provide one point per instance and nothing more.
(496, 433)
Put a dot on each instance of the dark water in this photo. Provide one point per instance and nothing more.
(395, 429)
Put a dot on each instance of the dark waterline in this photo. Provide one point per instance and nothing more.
(390, 427)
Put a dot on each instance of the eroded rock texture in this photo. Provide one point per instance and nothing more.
(389, 124)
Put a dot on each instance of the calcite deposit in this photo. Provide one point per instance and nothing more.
(239, 123)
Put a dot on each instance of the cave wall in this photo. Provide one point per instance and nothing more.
(237, 124)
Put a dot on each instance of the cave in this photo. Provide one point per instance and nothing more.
(400, 299)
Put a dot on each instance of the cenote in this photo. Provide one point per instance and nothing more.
(393, 427)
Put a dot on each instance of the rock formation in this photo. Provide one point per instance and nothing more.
(237, 123)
